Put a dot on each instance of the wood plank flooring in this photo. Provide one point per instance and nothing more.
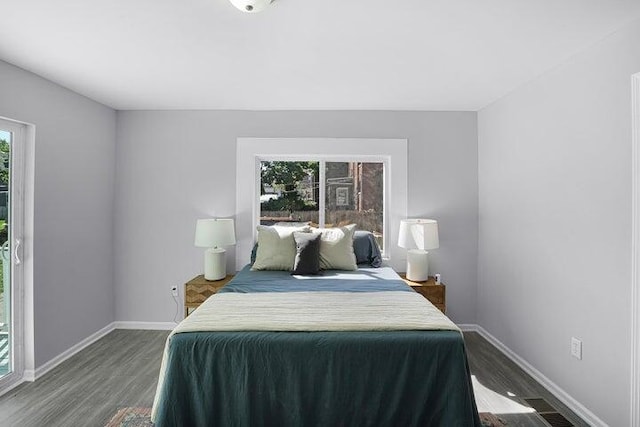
(122, 368)
(499, 386)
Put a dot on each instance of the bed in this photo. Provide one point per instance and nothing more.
(346, 348)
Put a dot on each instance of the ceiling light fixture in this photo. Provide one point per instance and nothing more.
(251, 6)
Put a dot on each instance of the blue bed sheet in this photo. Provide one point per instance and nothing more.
(361, 280)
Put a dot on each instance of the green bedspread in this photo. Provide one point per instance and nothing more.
(384, 378)
(404, 378)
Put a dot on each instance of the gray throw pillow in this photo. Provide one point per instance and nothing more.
(366, 248)
(307, 259)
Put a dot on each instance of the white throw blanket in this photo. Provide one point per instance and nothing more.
(316, 311)
(310, 311)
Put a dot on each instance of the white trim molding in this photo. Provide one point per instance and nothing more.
(392, 152)
(28, 254)
(635, 251)
(150, 326)
(552, 387)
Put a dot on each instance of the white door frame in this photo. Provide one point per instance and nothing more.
(635, 253)
(17, 202)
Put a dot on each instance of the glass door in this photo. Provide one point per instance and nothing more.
(11, 145)
(5, 259)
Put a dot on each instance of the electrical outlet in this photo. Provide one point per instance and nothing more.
(174, 291)
(576, 348)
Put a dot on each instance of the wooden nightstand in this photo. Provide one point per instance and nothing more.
(431, 291)
(198, 289)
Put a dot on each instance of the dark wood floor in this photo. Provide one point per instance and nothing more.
(118, 370)
(121, 370)
(500, 385)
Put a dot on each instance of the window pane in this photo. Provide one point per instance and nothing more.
(289, 192)
(355, 195)
(7, 330)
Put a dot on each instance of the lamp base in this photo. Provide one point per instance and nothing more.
(215, 265)
(417, 265)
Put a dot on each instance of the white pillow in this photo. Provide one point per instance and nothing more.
(336, 248)
(276, 248)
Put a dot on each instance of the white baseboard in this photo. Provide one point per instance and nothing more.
(468, 327)
(155, 326)
(31, 375)
(558, 392)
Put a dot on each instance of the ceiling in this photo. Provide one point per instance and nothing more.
(301, 54)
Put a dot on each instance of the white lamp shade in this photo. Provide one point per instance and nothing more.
(251, 6)
(418, 234)
(215, 232)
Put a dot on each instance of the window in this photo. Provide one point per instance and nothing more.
(289, 192)
(325, 193)
(390, 155)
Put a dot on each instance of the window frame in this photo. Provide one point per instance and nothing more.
(20, 285)
(323, 159)
(250, 151)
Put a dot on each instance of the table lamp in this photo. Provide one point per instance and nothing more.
(213, 234)
(418, 236)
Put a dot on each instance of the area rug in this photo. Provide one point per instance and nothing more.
(141, 417)
(131, 417)
(490, 420)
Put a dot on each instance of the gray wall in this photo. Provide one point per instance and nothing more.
(555, 222)
(74, 178)
(176, 166)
